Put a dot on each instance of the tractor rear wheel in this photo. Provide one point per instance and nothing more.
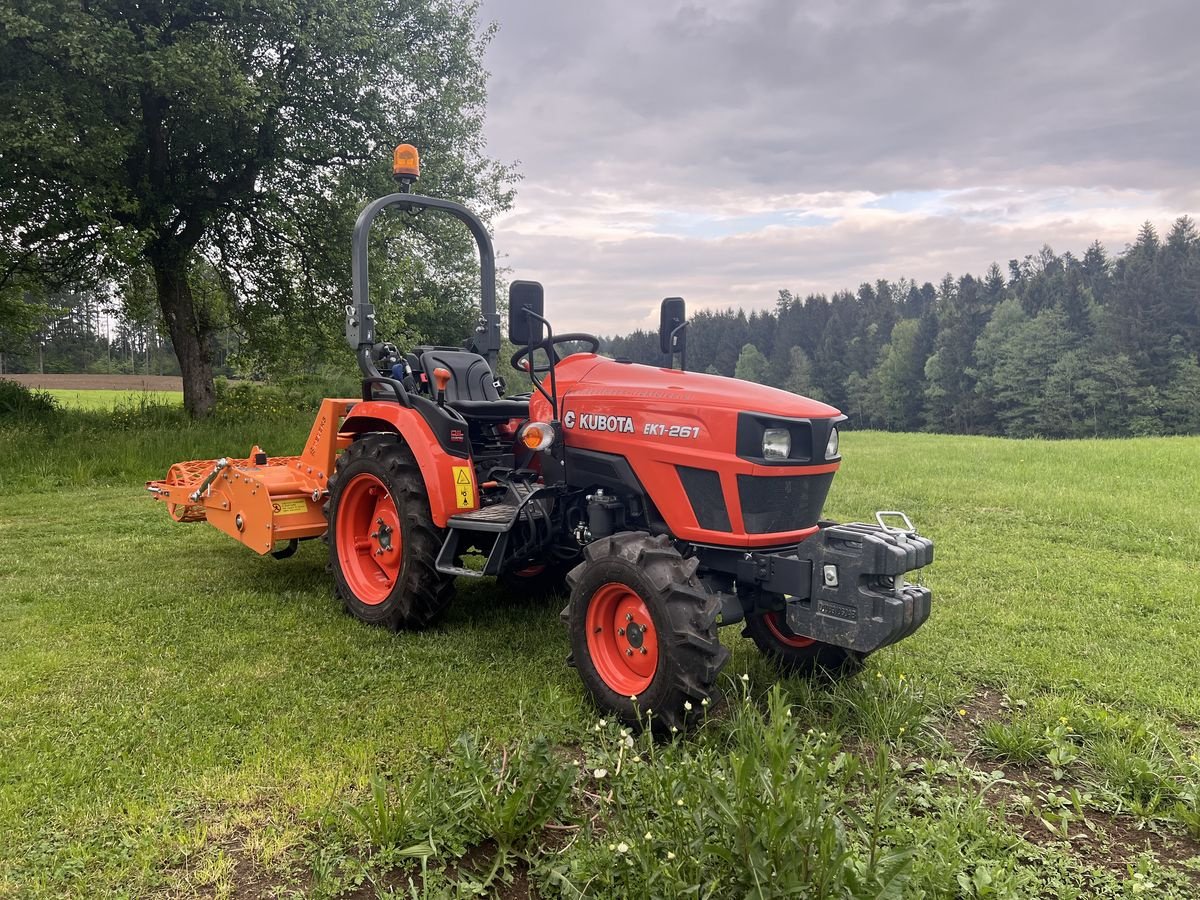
(644, 631)
(383, 544)
(795, 654)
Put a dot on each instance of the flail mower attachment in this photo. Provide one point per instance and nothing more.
(260, 500)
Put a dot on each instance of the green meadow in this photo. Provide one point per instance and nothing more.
(99, 399)
(179, 717)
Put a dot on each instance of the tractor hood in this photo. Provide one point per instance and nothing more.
(599, 378)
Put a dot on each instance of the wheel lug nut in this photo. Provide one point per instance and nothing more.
(628, 617)
(629, 651)
(643, 651)
(621, 631)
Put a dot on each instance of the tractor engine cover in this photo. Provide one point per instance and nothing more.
(693, 444)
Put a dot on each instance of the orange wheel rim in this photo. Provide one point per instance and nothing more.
(370, 547)
(622, 640)
(783, 634)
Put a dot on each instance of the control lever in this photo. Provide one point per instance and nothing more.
(441, 378)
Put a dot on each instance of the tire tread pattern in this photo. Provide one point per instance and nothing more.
(425, 593)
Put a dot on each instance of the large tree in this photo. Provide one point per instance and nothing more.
(150, 135)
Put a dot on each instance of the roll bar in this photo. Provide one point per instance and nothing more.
(360, 316)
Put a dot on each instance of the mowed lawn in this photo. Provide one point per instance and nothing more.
(99, 399)
(181, 717)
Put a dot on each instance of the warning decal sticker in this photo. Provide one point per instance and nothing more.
(289, 507)
(464, 487)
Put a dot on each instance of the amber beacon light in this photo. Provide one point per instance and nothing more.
(406, 163)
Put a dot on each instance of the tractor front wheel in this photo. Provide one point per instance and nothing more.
(644, 631)
(383, 544)
(795, 654)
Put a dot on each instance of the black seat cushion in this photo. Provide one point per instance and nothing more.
(472, 388)
(470, 376)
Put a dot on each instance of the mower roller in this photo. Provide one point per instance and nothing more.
(668, 503)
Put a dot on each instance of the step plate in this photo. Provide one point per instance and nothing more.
(497, 517)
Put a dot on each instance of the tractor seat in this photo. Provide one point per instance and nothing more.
(472, 389)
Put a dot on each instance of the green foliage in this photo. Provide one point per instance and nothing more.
(751, 365)
(389, 819)
(18, 402)
(226, 149)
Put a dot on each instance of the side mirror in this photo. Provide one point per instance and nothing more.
(522, 296)
(672, 338)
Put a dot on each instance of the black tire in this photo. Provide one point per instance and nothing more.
(683, 628)
(785, 648)
(420, 594)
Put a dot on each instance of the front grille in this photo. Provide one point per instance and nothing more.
(703, 487)
(783, 503)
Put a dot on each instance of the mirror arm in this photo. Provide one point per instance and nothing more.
(682, 350)
(547, 339)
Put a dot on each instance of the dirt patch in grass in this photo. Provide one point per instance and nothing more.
(246, 878)
(985, 705)
(1115, 844)
(100, 382)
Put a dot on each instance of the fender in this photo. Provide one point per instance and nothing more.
(449, 480)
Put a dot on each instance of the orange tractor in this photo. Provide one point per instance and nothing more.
(668, 502)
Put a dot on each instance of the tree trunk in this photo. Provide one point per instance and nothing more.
(190, 331)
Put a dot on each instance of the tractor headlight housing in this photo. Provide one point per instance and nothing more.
(831, 447)
(536, 435)
(777, 443)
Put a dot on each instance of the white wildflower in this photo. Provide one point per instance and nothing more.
(600, 773)
(622, 847)
(687, 704)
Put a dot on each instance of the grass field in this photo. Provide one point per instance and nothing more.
(181, 718)
(112, 399)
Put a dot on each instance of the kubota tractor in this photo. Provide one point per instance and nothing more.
(671, 503)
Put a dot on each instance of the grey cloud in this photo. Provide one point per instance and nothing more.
(1054, 122)
(838, 95)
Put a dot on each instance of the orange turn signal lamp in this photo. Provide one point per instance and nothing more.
(406, 163)
(537, 435)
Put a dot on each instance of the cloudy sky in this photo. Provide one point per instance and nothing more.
(723, 150)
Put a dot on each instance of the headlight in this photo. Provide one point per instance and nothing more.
(777, 443)
(831, 448)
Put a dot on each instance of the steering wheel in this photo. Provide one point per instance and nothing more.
(547, 344)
